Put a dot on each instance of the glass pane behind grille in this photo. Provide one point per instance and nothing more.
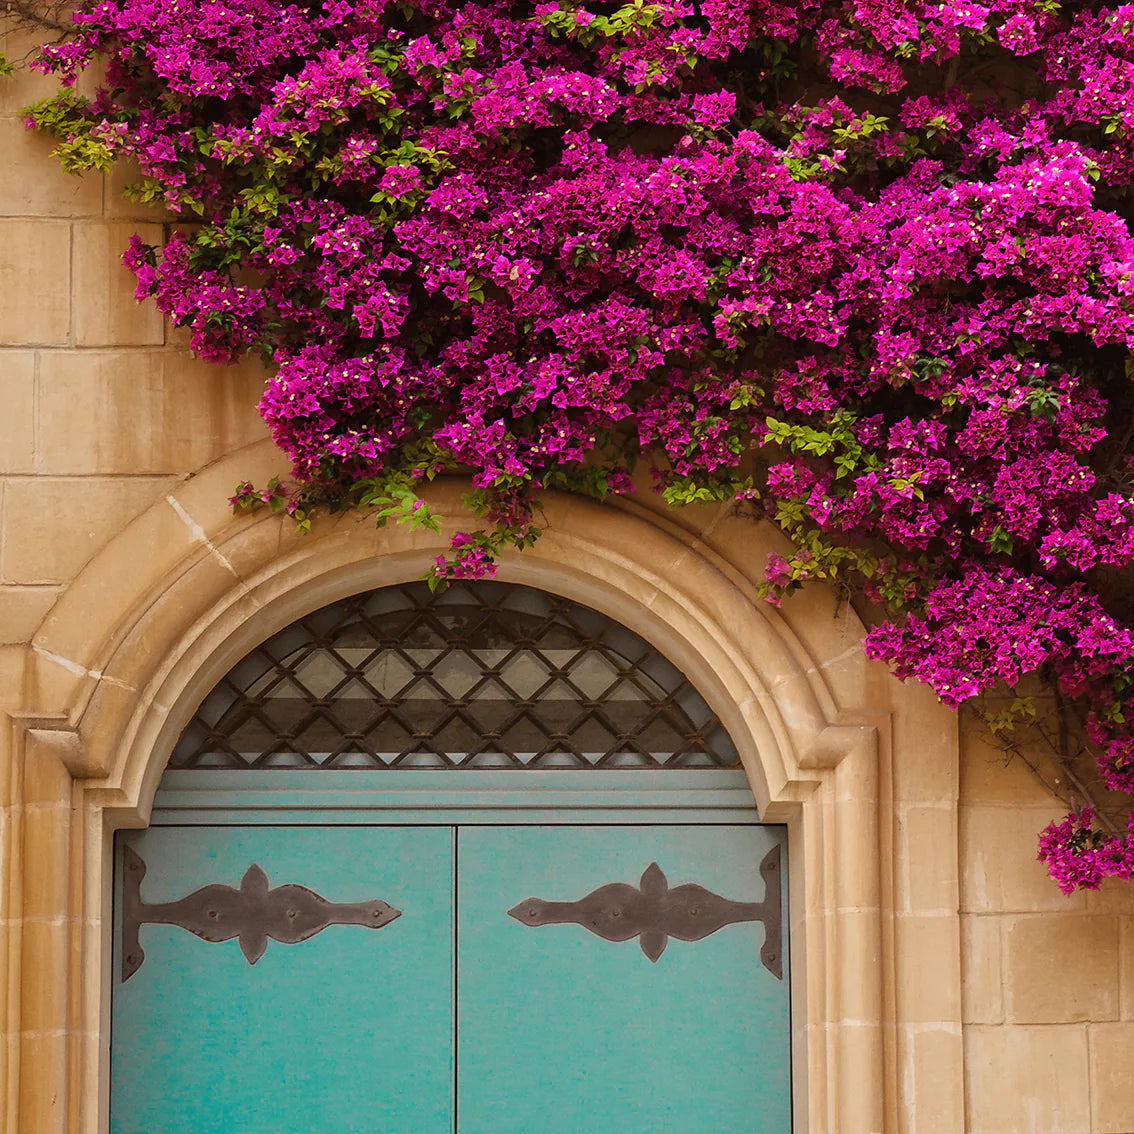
(482, 675)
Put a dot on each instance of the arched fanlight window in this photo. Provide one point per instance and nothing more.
(480, 675)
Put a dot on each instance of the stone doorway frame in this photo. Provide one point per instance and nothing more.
(157, 617)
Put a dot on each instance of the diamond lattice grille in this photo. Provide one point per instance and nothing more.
(481, 675)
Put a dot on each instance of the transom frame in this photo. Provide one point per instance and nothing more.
(480, 675)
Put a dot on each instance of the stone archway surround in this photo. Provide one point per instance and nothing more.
(158, 616)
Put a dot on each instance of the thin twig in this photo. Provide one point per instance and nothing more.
(37, 15)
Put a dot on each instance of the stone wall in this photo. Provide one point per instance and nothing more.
(103, 408)
(1048, 980)
(105, 413)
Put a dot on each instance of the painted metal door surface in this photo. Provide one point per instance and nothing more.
(346, 1031)
(563, 1031)
(283, 980)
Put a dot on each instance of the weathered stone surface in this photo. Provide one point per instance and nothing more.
(17, 421)
(1061, 968)
(142, 412)
(22, 609)
(1112, 1078)
(982, 978)
(32, 184)
(52, 526)
(106, 312)
(1027, 1080)
(35, 281)
(1000, 873)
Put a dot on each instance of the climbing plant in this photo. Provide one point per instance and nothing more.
(861, 267)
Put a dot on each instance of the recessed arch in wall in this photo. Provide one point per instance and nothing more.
(134, 659)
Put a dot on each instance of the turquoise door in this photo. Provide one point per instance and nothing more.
(563, 1031)
(349, 1030)
(450, 980)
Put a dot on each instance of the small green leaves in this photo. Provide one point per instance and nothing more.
(1000, 541)
(584, 253)
(393, 497)
(1019, 712)
(744, 396)
(682, 490)
(1042, 401)
(69, 117)
(566, 21)
(837, 441)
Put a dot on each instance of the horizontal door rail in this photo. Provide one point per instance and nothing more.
(446, 798)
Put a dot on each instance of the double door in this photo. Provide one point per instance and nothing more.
(450, 980)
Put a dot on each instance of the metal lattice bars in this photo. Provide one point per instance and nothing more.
(484, 674)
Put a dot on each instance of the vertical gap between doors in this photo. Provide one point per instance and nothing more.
(456, 831)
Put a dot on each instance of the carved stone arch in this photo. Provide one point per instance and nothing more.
(167, 607)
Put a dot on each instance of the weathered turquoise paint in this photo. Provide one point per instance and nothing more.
(348, 1031)
(559, 1032)
(536, 796)
(563, 1032)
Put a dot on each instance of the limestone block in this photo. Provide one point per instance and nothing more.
(857, 936)
(25, 86)
(32, 182)
(989, 775)
(106, 312)
(1112, 1077)
(35, 281)
(265, 541)
(181, 338)
(999, 870)
(925, 744)
(46, 841)
(205, 498)
(933, 1069)
(43, 1083)
(1027, 1080)
(149, 411)
(928, 964)
(22, 609)
(44, 974)
(1126, 967)
(54, 680)
(17, 396)
(195, 582)
(144, 559)
(927, 859)
(1061, 968)
(52, 526)
(13, 665)
(47, 783)
(982, 982)
(113, 702)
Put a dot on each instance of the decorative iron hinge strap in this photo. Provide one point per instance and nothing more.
(654, 912)
(252, 913)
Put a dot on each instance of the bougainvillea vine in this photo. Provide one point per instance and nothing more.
(862, 266)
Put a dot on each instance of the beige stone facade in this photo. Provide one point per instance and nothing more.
(942, 983)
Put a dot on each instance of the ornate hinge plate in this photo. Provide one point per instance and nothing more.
(654, 912)
(251, 913)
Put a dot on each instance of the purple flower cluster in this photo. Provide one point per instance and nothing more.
(1080, 857)
(862, 264)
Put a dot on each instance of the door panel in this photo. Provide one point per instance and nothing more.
(349, 1030)
(562, 1031)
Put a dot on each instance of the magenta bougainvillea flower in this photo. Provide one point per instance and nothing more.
(865, 267)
